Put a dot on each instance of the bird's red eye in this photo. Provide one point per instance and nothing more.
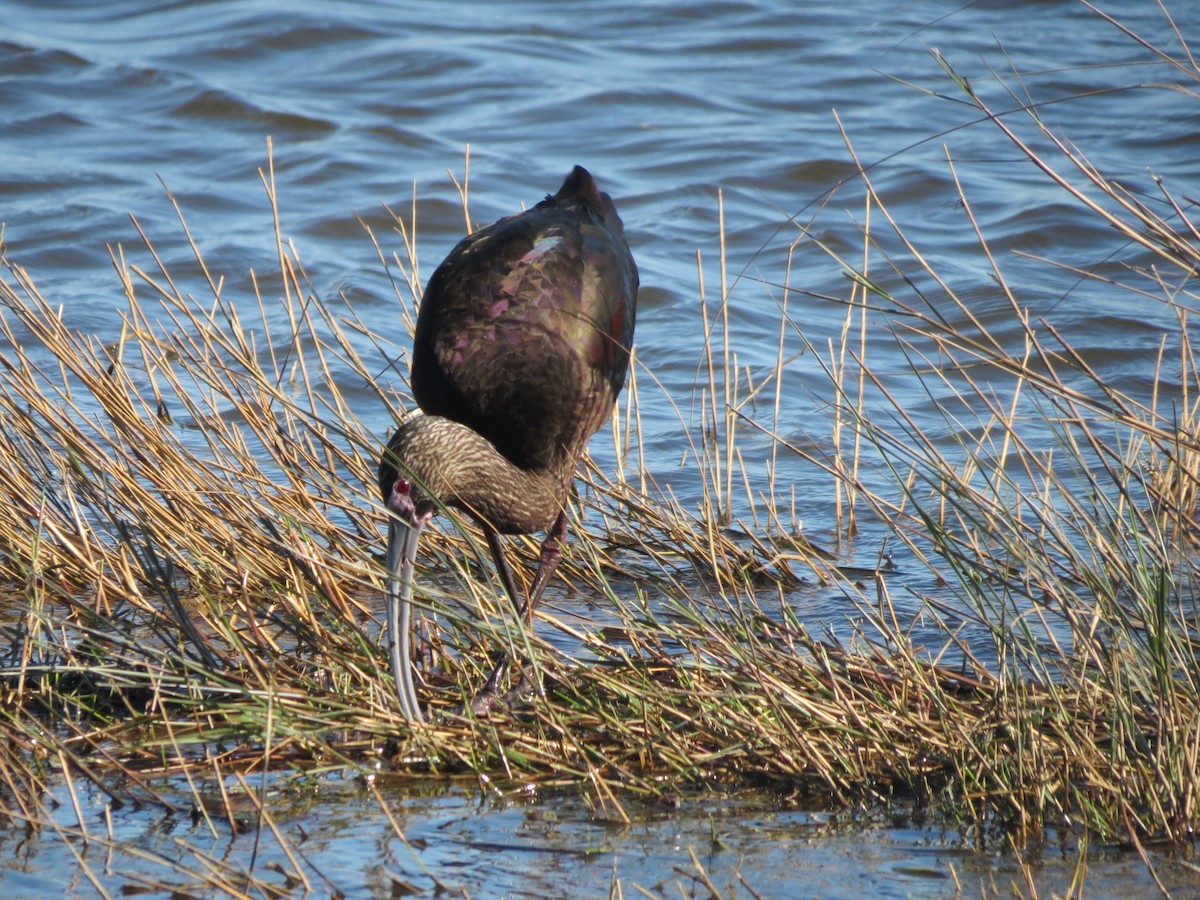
(402, 486)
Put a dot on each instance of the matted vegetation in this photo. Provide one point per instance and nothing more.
(189, 531)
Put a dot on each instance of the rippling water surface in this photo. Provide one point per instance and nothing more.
(667, 103)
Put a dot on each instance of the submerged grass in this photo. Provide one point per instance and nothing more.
(190, 538)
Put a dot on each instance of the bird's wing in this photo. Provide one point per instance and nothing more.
(524, 331)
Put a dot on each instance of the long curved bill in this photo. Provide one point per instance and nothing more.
(401, 558)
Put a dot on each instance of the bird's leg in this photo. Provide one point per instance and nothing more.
(548, 561)
(551, 556)
(502, 567)
(487, 695)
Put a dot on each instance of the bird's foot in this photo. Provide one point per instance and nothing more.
(527, 684)
(481, 704)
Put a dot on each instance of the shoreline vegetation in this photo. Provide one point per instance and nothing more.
(189, 543)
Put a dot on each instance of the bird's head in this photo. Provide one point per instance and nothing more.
(407, 501)
(423, 461)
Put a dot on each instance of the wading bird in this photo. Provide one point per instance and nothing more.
(521, 348)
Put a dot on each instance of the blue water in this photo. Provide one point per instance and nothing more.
(109, 106)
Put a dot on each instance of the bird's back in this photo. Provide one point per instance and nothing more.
(524, 331)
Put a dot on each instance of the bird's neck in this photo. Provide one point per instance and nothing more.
(458, 467)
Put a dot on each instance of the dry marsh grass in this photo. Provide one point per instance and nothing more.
(189, 541)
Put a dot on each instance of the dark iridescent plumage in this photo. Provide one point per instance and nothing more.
(521, 348)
